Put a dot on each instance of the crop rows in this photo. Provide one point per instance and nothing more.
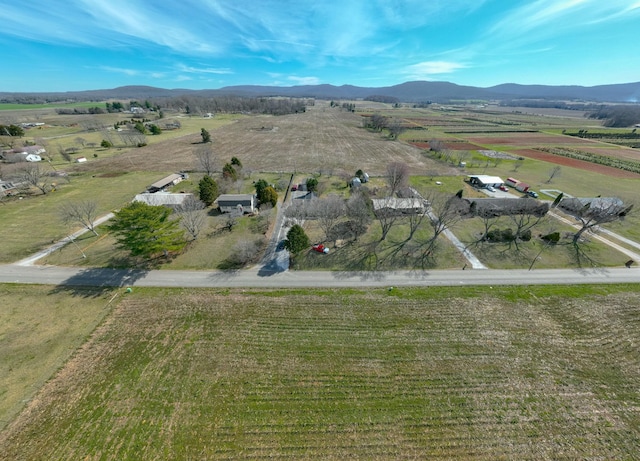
(369, 375)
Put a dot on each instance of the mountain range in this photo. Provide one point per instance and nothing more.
(412, 92)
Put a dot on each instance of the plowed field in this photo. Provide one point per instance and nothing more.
(526, 373)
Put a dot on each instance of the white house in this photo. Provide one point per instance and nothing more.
(162, 198)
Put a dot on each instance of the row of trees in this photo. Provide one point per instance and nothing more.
(378, 122)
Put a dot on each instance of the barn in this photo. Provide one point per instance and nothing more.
(482, 180)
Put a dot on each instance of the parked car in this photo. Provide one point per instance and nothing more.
(490, 189)
(532, 193)
(294, 187)
(320, 248)
(503, 188)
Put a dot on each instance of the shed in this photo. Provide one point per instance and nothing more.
(229, 203)
(168, 181)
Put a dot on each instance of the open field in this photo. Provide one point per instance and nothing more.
(40, 329)
(527, 373)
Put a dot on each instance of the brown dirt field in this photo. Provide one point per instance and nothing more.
(574, 163)
(322, 139)
(528, 139)
(620, 152)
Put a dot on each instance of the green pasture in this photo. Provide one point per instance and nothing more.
(33, 222)
(482, 373)
(40, 329)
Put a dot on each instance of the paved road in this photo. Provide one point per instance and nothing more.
(287, 279)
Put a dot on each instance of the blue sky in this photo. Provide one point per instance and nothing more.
(66, 45)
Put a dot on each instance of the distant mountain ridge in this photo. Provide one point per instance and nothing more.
(412, 92)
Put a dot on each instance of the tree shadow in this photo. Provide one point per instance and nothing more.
(95, 282)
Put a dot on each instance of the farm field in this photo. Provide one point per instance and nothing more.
(331, 144)
(528, 373)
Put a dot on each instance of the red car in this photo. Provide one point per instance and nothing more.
(503, 188)
(320, 248)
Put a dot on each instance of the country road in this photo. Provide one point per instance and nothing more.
(260, 278)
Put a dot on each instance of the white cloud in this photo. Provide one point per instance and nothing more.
(203, 70)
(304, 80)
(120, 70)
(424, 70)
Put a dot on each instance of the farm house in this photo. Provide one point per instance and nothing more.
(409, 205)
(243, 203)
(162, 198)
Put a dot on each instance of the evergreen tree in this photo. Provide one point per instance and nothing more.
(206, 136)
(235, 161)
(229, 172)
(147, 230)
(297, 239)
(312, 184)
(208, 189)
(269, 195)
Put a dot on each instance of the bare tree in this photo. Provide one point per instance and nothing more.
(328, 211)
(80, 140)
(396, 128)
(553, 173)
(245, 251)
(387, 215)
(436, 145)
(83, 212)
(206, 159)
(358, 208)
(33, 175)
(193, 213)
(598, 212)
(444, 211)
(397, 176)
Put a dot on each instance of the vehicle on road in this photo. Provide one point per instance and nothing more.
(532, 193)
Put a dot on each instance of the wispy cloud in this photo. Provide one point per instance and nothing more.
(425, 70)
(304, 80)
(203, 70)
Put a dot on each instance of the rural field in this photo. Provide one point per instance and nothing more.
(526, 373)
(330, 144)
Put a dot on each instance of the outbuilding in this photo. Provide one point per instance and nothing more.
(168, 181)
(482, 180)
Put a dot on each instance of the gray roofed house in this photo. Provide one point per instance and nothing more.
(230, 203)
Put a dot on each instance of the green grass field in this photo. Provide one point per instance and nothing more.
(40, 329)
(527, 373)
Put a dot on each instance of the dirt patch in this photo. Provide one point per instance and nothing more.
(574, 163)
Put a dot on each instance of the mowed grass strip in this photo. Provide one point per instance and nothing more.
(450, 373)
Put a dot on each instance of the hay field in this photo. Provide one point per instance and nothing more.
(321, 139)
(527, 373)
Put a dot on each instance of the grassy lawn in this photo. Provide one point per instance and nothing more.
(33, 223)
(527, 373)
(40, 329)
